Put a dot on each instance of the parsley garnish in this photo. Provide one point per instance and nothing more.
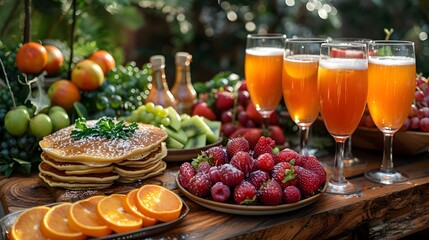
(105, 128)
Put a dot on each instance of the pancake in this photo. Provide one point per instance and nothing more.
(73, 186)
(66, 166)
(61, 147)
(159, 153)
(89, 171)
(155, 172)
(125, 171)
(59, 175)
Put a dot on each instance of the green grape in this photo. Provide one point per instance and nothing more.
(158, 109)
(109, 89)
(166, 121)
(134, 117)
(115, 101)
(59, 120)
(141, 108)
(150, 106)
(157, 119)
(163, 113)
(148, 117)
(102, 102)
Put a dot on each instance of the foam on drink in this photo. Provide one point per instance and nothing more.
(344, 63)
(265, 51)
(392, 61)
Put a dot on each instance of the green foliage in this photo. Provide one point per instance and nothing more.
(105, 128)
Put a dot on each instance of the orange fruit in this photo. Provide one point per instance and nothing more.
(104, 59)
(55, 60)
(87, 75)
(64, 93)
(31, 58)
(158, 202)
(27, 225)
(83, 217)
(130, 206)
(55, 224)
(114, 215)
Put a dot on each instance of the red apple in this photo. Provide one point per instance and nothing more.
(55, 60)
(104, 59)
(63, 93)
(87, 75)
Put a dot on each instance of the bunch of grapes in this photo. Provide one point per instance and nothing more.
(125, 88)
(151, 114)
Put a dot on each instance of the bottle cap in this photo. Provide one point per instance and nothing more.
(182, 58)
(157, 61)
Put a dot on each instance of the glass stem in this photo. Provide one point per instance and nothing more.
(338, 169)
(264, 124)
(348, 149)
(387, 164)
(304, 133)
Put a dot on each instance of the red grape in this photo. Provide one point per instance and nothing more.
(414, 123)
(413, 111)
(419, 95)
(424, 124)
(226, 117)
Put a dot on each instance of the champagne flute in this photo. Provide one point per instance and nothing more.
(391, 77)
(343, 88)
(299, 83)
(263, 69)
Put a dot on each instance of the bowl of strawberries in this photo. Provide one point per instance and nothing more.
(262, 180)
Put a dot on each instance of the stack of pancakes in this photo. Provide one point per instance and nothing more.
(96, 162)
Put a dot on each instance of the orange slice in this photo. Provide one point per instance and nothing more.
(158, 202)
(55, 224)
(130, 206)
(83, 217)
(114, 215)
(27, 225)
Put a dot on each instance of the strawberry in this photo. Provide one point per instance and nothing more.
(239, 132)
(204, 167)
(265, 162)
(264, 145)
(202, 109)
(258, 177)
(311, 163)
(200, 185)
(230, 175)
(284, 174)
(308, 181)
(291, 194)
(252, 113)
(216, 155)
(243, 161)
(277, 134)
(235, 145)
(270, 193)
(224, 100)
(243, 86)
(287, 155)
(220, 192)
(252, 136)
(186, 172)
(214, 174)
(245, 193)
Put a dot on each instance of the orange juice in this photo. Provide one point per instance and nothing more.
(343, 88)
(391, 90)
(299, 83)
(263, 69)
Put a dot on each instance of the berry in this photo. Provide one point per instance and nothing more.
(291, 194)
(252, 136)
(228, 129)
(200, 185)
(186, 172)
(311, 163)
(276, 133)
(258, 177)
(204, 167)
(265, 162)
(230, 175)
(308, 181)
(220, 192)
(224, 100)
(270, 193)
(202, 109)
(252, 113)
(243, 161)
(287, 155)
(214, 174)
(235, 145)
(245, 193)
(284, 174)
(217, 155)
(264, 145)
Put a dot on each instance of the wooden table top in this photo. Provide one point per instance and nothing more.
(379, 211)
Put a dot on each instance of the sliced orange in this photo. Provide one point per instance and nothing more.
(27, 225)
(130, 206)
(114, 215)
(158, 202)
(55, 224)
(83, 217)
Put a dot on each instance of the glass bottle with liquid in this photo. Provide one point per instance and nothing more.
(159, 93)
(182, 89)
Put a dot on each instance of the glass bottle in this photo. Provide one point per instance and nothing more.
(159, 93)
(182, 89)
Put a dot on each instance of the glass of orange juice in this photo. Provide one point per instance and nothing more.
(343, 87)
(263, 72)
(391, 77)
(299, 84)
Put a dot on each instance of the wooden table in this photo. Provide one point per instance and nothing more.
(379, 211)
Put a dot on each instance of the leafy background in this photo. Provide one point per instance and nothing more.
(213, 32)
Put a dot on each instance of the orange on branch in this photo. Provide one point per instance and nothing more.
(31, 58)
(64, 93)
(104, 59)
(87, 75)
(55, 60)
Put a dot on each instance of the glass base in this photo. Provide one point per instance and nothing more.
(342, 188)
(354, 162)
(379, 176)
